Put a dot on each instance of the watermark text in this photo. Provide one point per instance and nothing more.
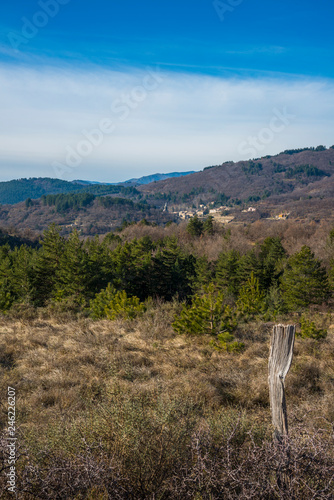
(11, 461)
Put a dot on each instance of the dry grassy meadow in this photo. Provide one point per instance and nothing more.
(131, 410)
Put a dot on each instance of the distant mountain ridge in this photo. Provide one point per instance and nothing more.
(146, 179)
(292, 174)
(18, 190)
(299, 183)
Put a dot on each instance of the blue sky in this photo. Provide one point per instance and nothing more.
(174, 85)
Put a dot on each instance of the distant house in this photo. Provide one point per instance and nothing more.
(283, 216)
(186, 215)
(250, 209)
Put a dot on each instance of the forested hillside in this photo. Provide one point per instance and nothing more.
(16, 191)
(289, 175)
(89, 213)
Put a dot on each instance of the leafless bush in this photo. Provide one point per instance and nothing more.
(171, 455)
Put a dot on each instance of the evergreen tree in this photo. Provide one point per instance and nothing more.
(251, 299)
(112, 304)
(227, 272)
(225, 342)
(6, 298)
(270, 262)
(208, 225)
(304, 281)
(100, 265)
(206, 315)
(123, 266)
(203, 273)
(248, 264)
(195, 226)
(73, 277)
(21, 274)
(132, 270)
(309, 330)
(6, 293)
(274, 303)
(172, 271)
(142, 250)
(48, 263)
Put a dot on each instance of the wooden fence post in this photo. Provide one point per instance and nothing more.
(282, 342)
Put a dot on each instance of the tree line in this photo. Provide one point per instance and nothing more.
(100, 276)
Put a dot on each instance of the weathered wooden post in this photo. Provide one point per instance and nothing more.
(280, 359)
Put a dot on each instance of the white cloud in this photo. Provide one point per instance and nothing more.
(184, 122)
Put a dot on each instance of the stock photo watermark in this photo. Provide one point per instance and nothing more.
(256, 144)
(30, 27)
(11, 430)
(222, 8)
(120, 108)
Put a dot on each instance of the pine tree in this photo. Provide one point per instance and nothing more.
(48, 263)
(309, 330)
(6, 298)
(6, 293)
(21, 274)
(251, 299)
(172, 271)
(208, 225)
(195, 226)
(225, 342)
(203, 273)
(132, 267)
(248, 264)
(73, 276)
(206, 315)
(274, 303)
(304, 281)
(142, 251)
(111, 303)
(227, 272)
(100, 265)
(270, 260)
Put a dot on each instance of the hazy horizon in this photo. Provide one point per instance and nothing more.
(108, 92)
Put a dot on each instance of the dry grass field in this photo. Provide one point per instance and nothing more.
(130, 410)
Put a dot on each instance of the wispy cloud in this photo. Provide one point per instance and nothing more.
(271, 49)
(187, 122)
